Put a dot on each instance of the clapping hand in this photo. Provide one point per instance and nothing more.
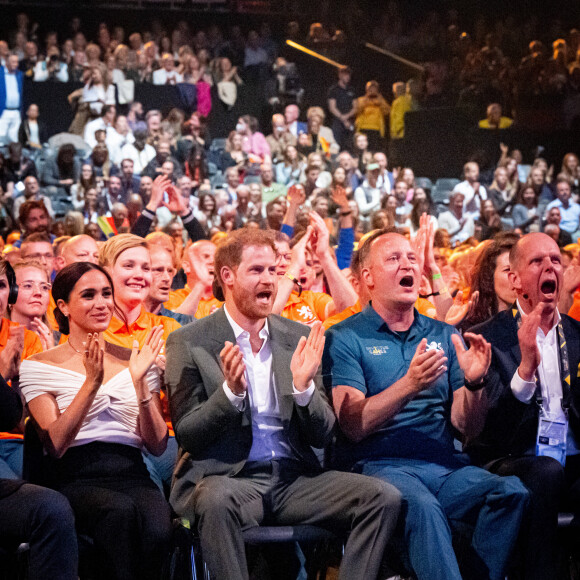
(475, 360)
(234, 368)
(141, 361)
(307, 357)
(460, 309)
(296, 195)
(45, 333)
(93, 359)
(426, 366)
(11, 354)
(527, 332)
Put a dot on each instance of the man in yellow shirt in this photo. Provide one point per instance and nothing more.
(494, 119)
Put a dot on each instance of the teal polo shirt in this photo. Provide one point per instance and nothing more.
(364, 353)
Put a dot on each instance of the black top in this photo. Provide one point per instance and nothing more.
(343, 97)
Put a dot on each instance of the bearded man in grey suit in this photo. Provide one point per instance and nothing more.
(247, 404)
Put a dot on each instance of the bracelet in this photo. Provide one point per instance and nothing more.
(436, 276)
(473, 387)
(429, 295)
(295, 281)
(145, 402)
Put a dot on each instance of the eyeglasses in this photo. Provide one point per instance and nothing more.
(43, 287)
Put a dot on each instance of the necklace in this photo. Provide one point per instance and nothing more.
(77, 351)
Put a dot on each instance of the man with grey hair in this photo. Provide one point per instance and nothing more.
(280, 138)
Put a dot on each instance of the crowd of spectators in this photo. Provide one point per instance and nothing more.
(151, 198)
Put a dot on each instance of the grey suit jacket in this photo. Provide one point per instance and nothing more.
(214, 437)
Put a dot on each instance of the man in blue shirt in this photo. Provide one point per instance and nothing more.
(398, 391)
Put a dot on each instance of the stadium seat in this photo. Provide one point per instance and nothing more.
(443, 187)
(424, 182)
(218, 144)
(313, 536)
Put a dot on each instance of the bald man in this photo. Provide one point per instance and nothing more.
(533, 392)
(280, 138)
(81, 248)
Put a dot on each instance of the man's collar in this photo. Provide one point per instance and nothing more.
(239, 331)
(523, 314)
(379, 324)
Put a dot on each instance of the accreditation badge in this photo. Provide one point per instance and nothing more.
(551, 440)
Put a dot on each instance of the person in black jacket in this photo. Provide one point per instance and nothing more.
(534, 378)
(42, 517)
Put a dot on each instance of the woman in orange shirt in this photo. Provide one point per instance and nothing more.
(16, 344)
(126, 258)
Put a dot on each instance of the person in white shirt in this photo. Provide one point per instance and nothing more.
(98, 92)
(167, 75)
(473, 192)
(368, 195)
(246, 404)
(104, 123)
(139, 152)
(458, 225)
(51, 68)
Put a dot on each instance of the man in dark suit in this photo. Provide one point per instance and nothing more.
(246, 404)
(533, 375)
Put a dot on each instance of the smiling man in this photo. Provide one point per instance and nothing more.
(532, 386)
(401, 384)
(247, 405)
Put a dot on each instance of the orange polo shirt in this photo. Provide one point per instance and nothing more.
(32, 345)
(204, 307)
(306, 308)
(119, 334)
(574, 311)
(346, 313)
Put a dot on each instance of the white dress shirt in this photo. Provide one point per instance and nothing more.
(471, 202)
(550, 381)
(162, 77)
(12, 90)
(268, 438)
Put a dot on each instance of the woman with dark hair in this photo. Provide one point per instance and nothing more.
(88, 180)
(490, 280)
(421, 204)
(61, 172)
(196, 166)
(207, 212)
(489, 222)
(525, 213)
(96, 405)
(289, 170)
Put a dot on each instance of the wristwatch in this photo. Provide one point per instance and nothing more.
(474, 386)
(296, 281)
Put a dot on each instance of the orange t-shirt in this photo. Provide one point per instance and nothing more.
(426, 308)
(346, 313)
(32, 345)
(204, 307)
(574, 311)
(119, 334)
(307, 308)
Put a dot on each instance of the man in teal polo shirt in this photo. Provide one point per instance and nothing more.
(401, 384)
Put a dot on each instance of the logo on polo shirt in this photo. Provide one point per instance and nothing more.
(305, 312)
(433, 346)
(376, 350)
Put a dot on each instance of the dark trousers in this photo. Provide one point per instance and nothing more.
(43, 518)
(538, 549)
(118, 506)
(279, 493)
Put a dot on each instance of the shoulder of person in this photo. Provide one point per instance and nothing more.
(496, 328)
(287, 326)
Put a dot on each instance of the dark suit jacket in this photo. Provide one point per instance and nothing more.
(214, 437)
(511, 426)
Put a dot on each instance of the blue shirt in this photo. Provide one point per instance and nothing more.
(364, 353)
